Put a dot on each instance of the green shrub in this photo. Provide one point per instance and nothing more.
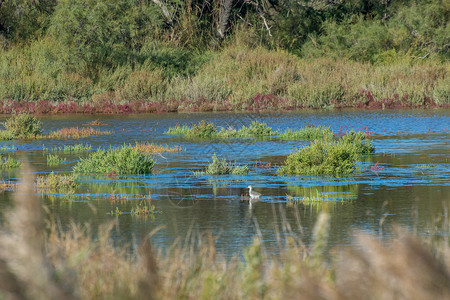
(327, 157)
(22, 125)
(126, 160)
(321, 158)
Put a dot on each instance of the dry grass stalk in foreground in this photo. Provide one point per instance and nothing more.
(72, 264)
(25, 268)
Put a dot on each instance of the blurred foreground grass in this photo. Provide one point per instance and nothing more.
(38, 263)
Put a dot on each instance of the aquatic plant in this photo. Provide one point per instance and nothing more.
(57, 183)
(178, 130)
(76, 148)
(321, 158)
(307, 133)
(21, 125)
(220, 166)
(202, 130)
(256, 129)
(94, 123)
(9, 163)
(151, 148)
(53, 160)
(125, 160)
(74, 133)
(360, 141)
(143, 208)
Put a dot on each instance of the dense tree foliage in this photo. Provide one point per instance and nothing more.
(139, 49)
(105, 31)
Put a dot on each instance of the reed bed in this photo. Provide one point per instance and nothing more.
(77, 264)
(237, 78)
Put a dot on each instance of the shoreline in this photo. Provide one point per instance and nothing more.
(48, 107)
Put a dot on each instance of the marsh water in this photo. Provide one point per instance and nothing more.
(406, 182)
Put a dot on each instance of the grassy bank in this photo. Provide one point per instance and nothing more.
(77, 264)
(238, 78)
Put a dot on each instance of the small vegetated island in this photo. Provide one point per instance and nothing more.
(326, 155)
(111, 56)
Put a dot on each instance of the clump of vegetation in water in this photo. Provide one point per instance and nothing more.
(150, 148)
(76, 148)
(324, 157)
(362, 143)
(220, 166)
(94, 123)
(9, 163)
(321, 158)
(256, 129)
(57, 183)
(207, 130)
(143, 208)
(21, 126)
(307, 133)
(125, 160)
(75, 133)
(178, 130)
(54, 160)
(202, 130)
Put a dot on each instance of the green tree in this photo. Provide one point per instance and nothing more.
(21, 19)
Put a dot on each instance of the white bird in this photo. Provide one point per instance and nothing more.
(253, 195)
